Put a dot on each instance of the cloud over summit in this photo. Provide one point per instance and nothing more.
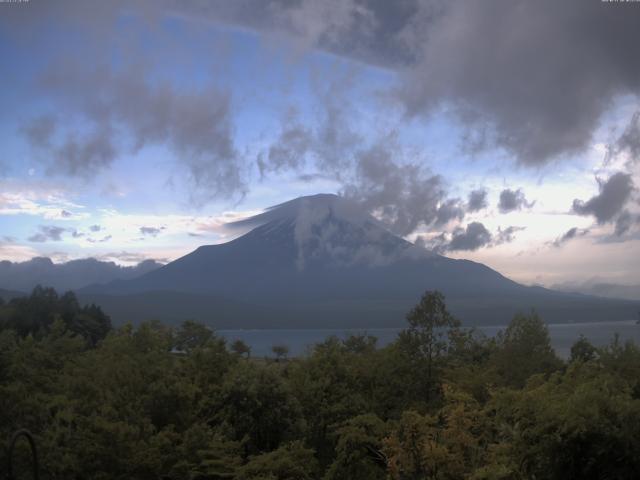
(423, 112)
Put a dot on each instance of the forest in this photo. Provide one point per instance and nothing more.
(441, 402)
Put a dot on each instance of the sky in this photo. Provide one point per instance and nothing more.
(505, 132)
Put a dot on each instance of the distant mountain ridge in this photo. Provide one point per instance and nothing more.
(320, 261)
(601, 289)
(72, 275)
(7, 295)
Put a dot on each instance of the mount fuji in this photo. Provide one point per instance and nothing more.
(320, 261)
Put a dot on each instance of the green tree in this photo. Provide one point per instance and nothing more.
(255, 404)
(35, 315)
(445, 445)
(359, 453)
(429, 336)
(92, 323)
(280, 351)
(524, 349)
(289, 462)
(202, 453)
(241, 348)
(362, 344)
(582, 350)
(468, 363)
(623, 359)
(192, 334)
(332, 386)
(581, 423)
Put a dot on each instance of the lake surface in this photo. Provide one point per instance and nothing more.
(300, 341)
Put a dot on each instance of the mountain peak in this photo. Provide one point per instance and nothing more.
(308, 208)
(331, 230)
(323, 261)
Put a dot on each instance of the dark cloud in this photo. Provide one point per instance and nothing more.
(47, 233)
(449, 210)
(104, 239)
(629, 141)
(403, 196)
(80, 153)
(151, 231)
(614, 194)
(288, 151)
(329, 142)
(530, 90)
(368, 30)
(436, 243)
(569, 235)
(39, 130)
(196, 125)
(421, 242)
(84, 155)
(623, 223)
(377, 173)
(472, 238)
(533, 84)
(311, 177)
(507, 235)
(532, 87)
(95, 228)
(336, 137)
(66, 214)
(77, 234)
(477, 200)
(511, 200)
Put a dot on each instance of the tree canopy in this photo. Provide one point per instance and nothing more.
(441, 402)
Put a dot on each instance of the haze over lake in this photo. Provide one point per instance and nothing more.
(299, 341)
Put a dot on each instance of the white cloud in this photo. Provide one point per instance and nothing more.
(9, 250)
(126, 228)
(38, 200)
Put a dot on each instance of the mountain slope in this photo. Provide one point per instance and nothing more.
(319, 261)
(71, 275)
(601, 289)
(7, 295)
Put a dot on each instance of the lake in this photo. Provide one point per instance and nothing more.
(299, 341)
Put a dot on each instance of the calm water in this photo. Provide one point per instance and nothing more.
(300, 341)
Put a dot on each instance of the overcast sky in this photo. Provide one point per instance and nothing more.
(507, 132)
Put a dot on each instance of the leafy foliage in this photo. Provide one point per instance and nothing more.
(523, 350)
(289, 462)
(440, 403)
(431, 333)
(36, 314)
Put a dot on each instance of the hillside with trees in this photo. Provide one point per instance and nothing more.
(441, 402)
